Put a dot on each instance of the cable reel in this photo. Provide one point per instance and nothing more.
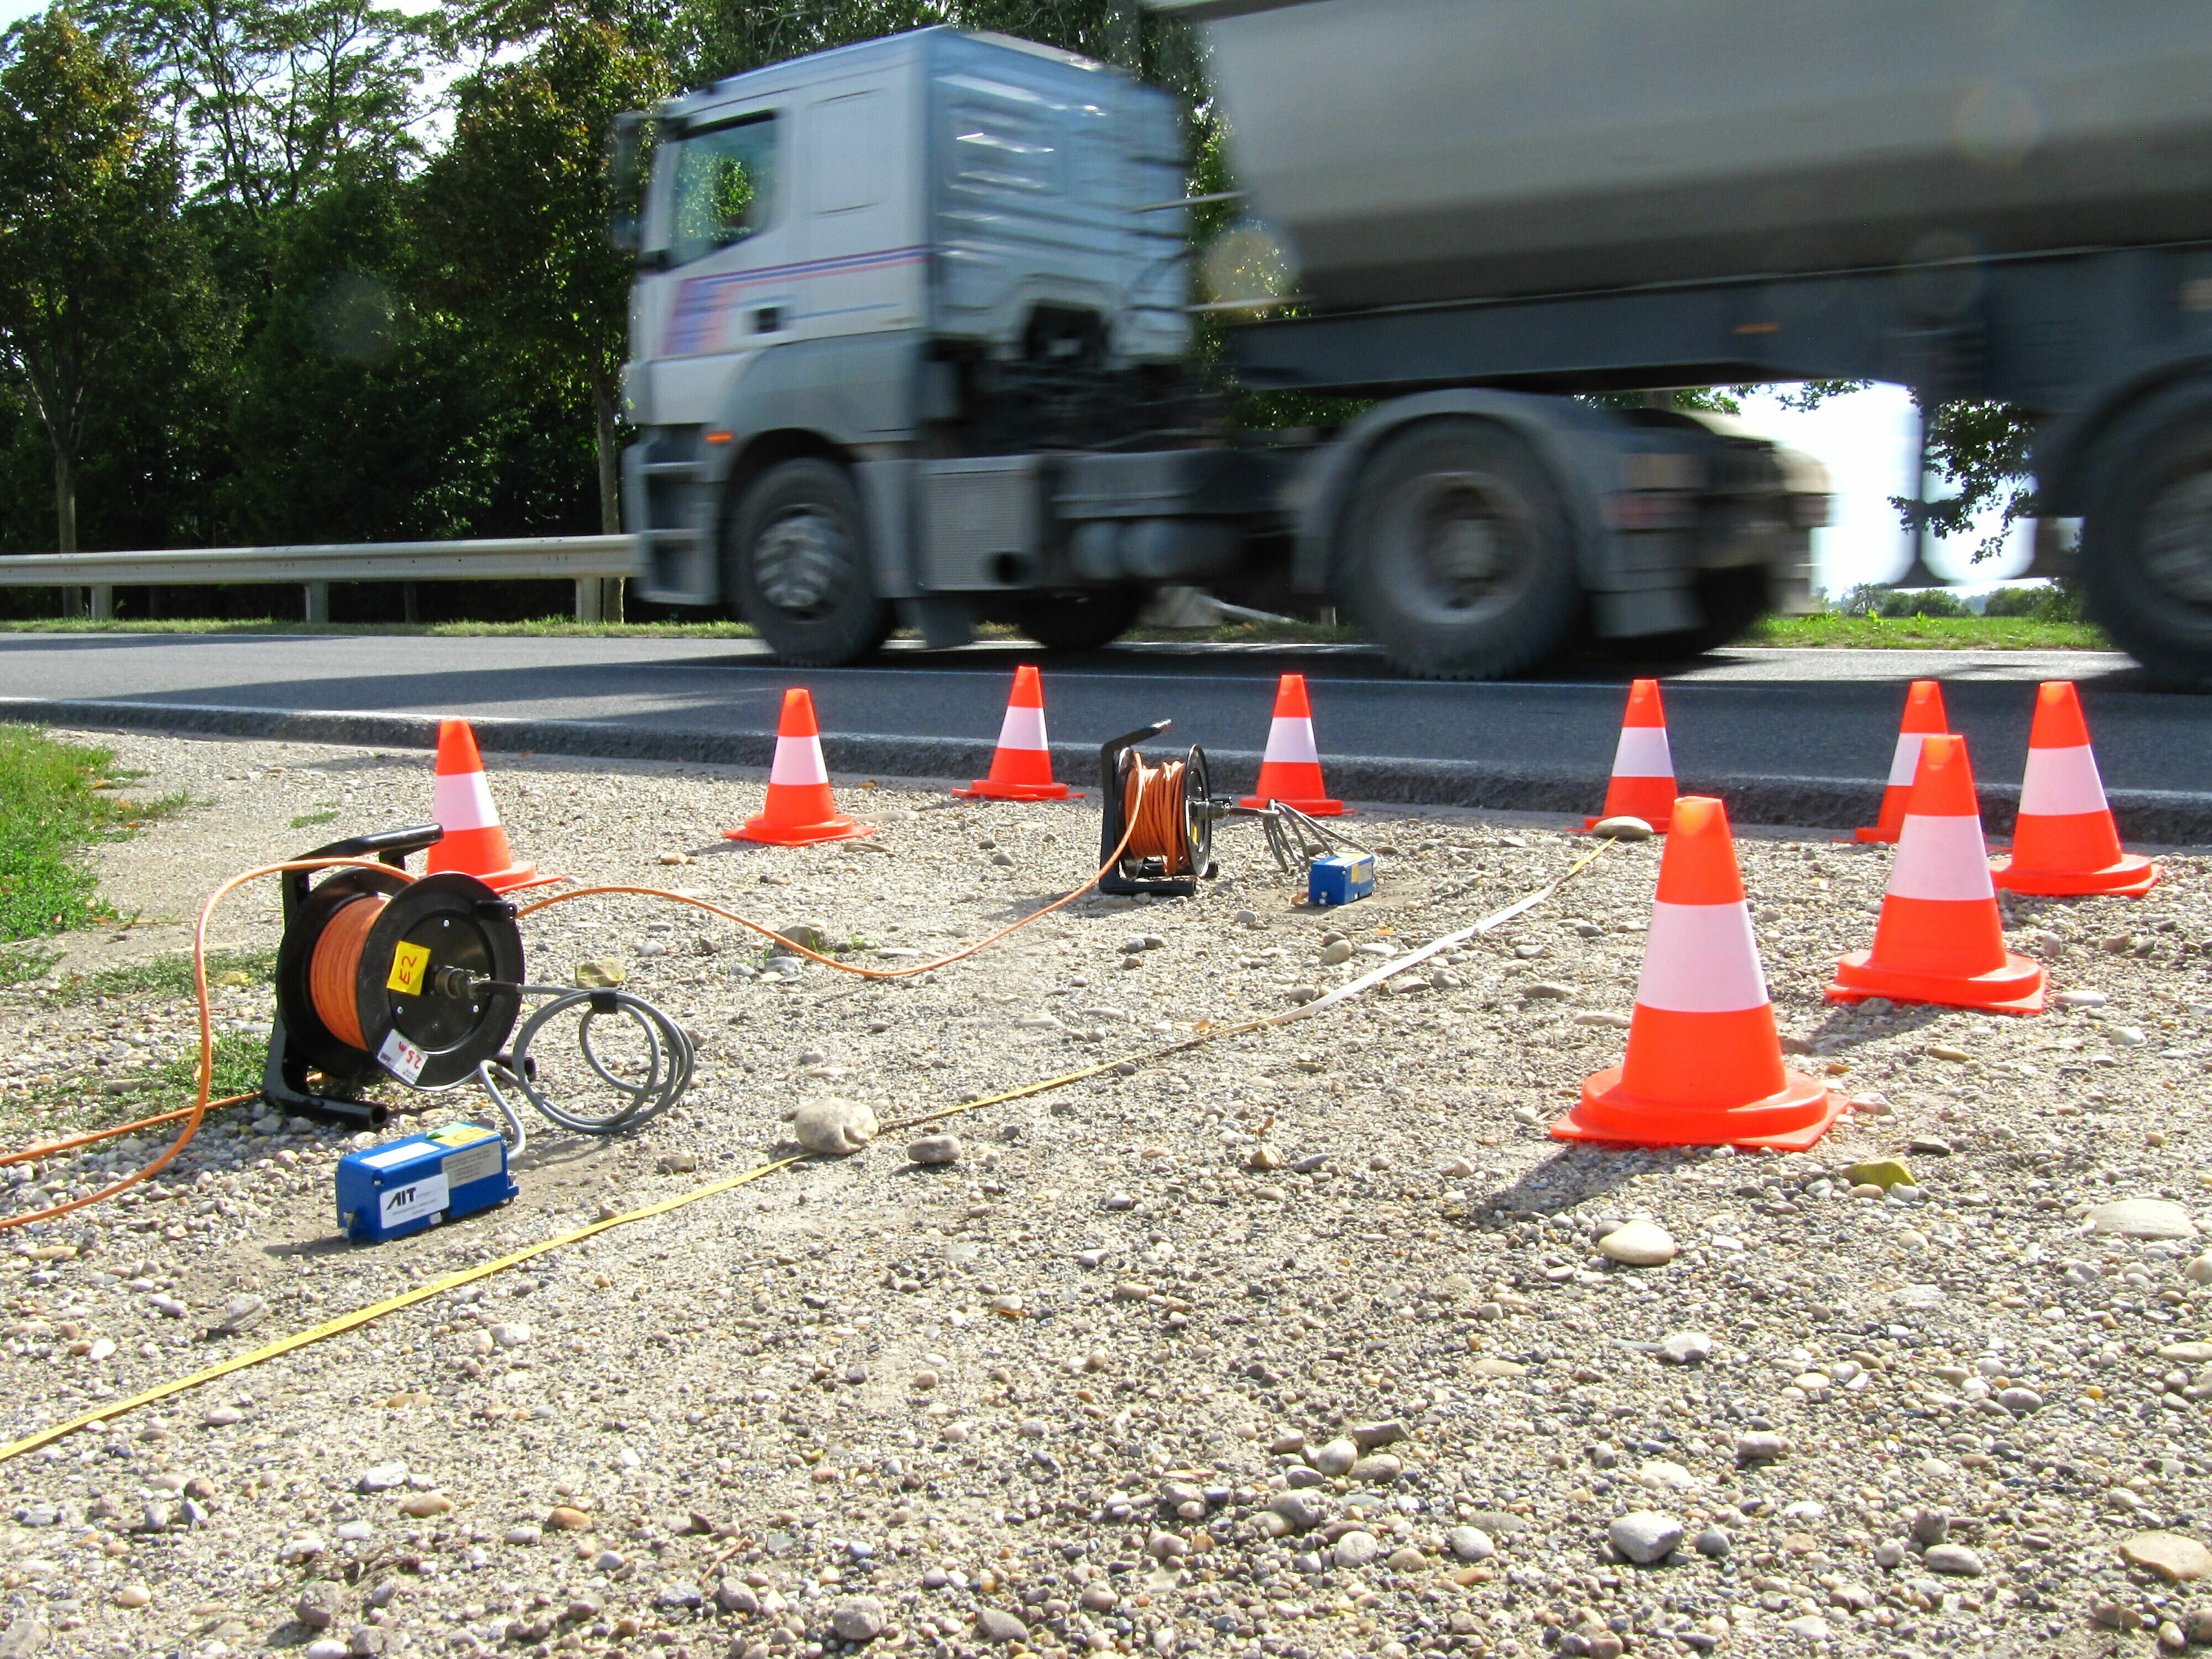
(419, 980)
(1170, 848)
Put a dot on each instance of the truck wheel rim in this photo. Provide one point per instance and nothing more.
(2177, 542)
(803, 562)
(1455, 547)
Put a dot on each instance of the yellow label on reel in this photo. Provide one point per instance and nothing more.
(408, 963)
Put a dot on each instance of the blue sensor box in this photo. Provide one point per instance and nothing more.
(411, 1185)
(1341, 879)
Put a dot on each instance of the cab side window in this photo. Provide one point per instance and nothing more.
(724, 187)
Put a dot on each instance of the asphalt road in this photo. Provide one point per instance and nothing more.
(1825, 719)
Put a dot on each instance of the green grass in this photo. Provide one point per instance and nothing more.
(238, 1061)
(21, 963)
(1930, 634)
(309, 820)
(164, 976)
(54, 803)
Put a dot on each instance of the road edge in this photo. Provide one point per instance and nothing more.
(2155, 818)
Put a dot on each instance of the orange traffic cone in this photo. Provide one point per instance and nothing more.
(2065, 841)
(1924, 717)
(474, 844)
(1642, 784)
(1703, 1067)
(800, 809)
(1290, 771)
(1021, 766)
(1940, 938)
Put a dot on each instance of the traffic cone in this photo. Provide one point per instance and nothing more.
(1940, 938)
(474, 843)
(1703, 1067)
(1021, 766)
(2065, 841)
(1924, 717)
(1642, 784)
(1290, 771)
(800, 809)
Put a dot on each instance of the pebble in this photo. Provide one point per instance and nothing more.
(318, 1604)
(1470, 1544)
(527, 1533)
(383, 1477)
(599, 973)
(995, 1625)
(1622, 827)
(239, 1313)
(511, 1333)
(425, 1504)
(1645, 1536)
(834, 1127)
(1638, 1244)
(1685, 1348)
(1955, 1559)
(2141, 1218)
(1336, 1458)
(564, 1518)
(1355, 1549)
(1761, 1446)
(1339, 950)
(133, 1595)
(1303, 1510)
(859, 1619)
(2081, 997)
(1882, 1172)
(1713, 1543)
(2172, 1555)
(935, 1150)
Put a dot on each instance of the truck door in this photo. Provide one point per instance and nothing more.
(732, 247)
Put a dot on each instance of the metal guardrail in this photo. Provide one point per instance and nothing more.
(584, 559)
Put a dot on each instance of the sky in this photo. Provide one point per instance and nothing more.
(1869, 441)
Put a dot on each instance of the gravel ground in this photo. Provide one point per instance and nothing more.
(1298, 1343)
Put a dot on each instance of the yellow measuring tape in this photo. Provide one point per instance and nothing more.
(375, 1311)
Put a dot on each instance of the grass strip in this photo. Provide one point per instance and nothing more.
(56, 799)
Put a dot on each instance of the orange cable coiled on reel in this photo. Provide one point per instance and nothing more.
(335, 971)
(1152, 802)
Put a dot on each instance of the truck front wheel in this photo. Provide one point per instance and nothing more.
(1079, 618)
(797, 564)
(2147, 539)
(1457, 556)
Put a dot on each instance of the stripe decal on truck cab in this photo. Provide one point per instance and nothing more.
(701, 303)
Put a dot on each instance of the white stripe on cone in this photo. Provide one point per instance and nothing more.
(799, 760)
(1291, 737)
(1701, 959)
(462, 800)
(1940, 858)
(1643, 753)
(1022, 728)
(2061, 782)
(1905, 765)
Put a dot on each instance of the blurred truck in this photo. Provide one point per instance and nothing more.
(911, 336)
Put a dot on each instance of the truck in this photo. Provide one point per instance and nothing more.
(913, 328)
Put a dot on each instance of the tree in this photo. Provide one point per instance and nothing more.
(513, 218)
(95, 265)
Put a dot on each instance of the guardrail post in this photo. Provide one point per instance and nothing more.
(103, 603)
(318, 602)
(587, 598)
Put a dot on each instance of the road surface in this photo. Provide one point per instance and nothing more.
(1802, 736)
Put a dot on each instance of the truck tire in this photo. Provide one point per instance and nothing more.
(2146, 558)
(1079, 619)
(1457, 556)
(797, 563)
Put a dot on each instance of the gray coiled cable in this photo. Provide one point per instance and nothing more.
(668, 1065)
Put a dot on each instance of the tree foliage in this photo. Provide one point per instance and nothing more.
(99, 281)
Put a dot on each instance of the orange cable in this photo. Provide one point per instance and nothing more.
(848, 968)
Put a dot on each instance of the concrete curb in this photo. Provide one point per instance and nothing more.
(2153, 816)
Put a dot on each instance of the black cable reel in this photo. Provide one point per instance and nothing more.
(422, 980)
(1171, 850)
(417, 979)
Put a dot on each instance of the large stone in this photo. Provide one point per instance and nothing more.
(1638, 1244)
(1303, 1511)
(25, 1635)
(1622, 827)
(2142, 1217)
(319, 1603)
(1882, 1172)
(935, 1149)
(1355, 1549)
(1470, 1544)
(2172, 1555)
(994, 1624)
(2187, 1353)
(833, 1127)
(1335, 1458)
(1685, 1348)
(1761, 1446)
(859, 1619)
(1953, 1558)
(1645, 1536)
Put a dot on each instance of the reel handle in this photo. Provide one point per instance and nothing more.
(392, 846)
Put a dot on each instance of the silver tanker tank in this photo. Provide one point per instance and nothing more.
(1414, 150)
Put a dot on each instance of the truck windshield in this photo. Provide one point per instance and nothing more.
(723, 187)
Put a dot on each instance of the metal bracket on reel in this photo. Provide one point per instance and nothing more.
(1174, 869)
